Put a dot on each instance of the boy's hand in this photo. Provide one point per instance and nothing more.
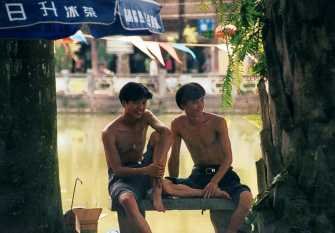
(155, 170)
(209, 190)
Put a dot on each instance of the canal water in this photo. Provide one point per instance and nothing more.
(81, 155)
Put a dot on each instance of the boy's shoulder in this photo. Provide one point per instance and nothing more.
(112, 126)
(214, 117)
(179, 119)
(178, 122)
(217, 121)
(210, 117)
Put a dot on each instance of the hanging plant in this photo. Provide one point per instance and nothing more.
(240, 25)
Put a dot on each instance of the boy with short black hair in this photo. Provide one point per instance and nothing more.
(206, 137)
(134, 91)
(130, 171)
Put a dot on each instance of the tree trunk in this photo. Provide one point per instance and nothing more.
(30, 192)
(299, 39)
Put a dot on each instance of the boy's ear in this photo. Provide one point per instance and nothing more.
(123, 103)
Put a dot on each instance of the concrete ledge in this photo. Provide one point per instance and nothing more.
(246, 104)
(220, 211)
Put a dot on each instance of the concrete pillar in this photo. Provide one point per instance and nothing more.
(216, 60)
(90, 82)
(66, 78)
(122, 66)
(161, 83)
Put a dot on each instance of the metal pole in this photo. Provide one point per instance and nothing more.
(74, 190)
(181, 24)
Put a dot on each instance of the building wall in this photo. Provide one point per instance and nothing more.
(193, 9)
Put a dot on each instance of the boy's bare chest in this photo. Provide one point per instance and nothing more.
(199, 136)
(131, 140)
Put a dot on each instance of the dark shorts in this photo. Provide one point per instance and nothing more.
(136, 184)
(201, 176)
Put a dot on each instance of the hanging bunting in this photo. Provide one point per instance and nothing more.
(138, 42)
(183, 48)
(77, 37)
(154, 48)
(170, 50)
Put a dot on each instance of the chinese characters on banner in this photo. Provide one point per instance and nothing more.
(104, 17)
(21, 13)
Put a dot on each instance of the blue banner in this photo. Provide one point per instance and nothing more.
(142, 14)
(21, 13)
(133, 17)
(55, 19)
(41, 31)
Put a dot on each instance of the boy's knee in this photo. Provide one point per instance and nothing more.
(245, 200)
(167, 186)
(127, 200)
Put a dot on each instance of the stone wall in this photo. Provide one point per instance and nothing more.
(99, 103)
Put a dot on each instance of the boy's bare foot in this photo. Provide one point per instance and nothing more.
(221, 194)
(157, 196)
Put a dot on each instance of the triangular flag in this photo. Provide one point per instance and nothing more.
(155, 50)
(183, 48)
(79, 37)
(138, 42)
(168, 48)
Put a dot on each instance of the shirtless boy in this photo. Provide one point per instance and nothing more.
(132, 173)
(206, 137)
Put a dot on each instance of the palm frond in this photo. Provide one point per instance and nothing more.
(226, 97)
(248, 17)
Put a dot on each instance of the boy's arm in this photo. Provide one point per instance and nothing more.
(225, 165)
(165, 137)
(114, 162)
(174, 159)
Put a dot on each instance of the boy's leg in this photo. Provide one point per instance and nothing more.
(181, 190)
(157, 195)
(160, 150)
(133, 215)
(239, 214)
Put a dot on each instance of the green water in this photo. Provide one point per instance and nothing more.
(81, 155)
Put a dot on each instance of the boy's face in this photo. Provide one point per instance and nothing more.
(135, 109)
(194, 108)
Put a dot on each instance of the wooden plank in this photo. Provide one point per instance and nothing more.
(261, 175)
(191, 204)
(220, 211)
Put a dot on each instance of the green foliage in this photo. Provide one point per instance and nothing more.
(226, 97)
(234, 76)
(62, 59)
(238, 71)
(248, 17)
(259, 68)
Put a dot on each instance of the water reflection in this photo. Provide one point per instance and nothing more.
(81, 155)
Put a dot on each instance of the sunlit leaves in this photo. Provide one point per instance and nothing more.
(226, 97)
(248, 17)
